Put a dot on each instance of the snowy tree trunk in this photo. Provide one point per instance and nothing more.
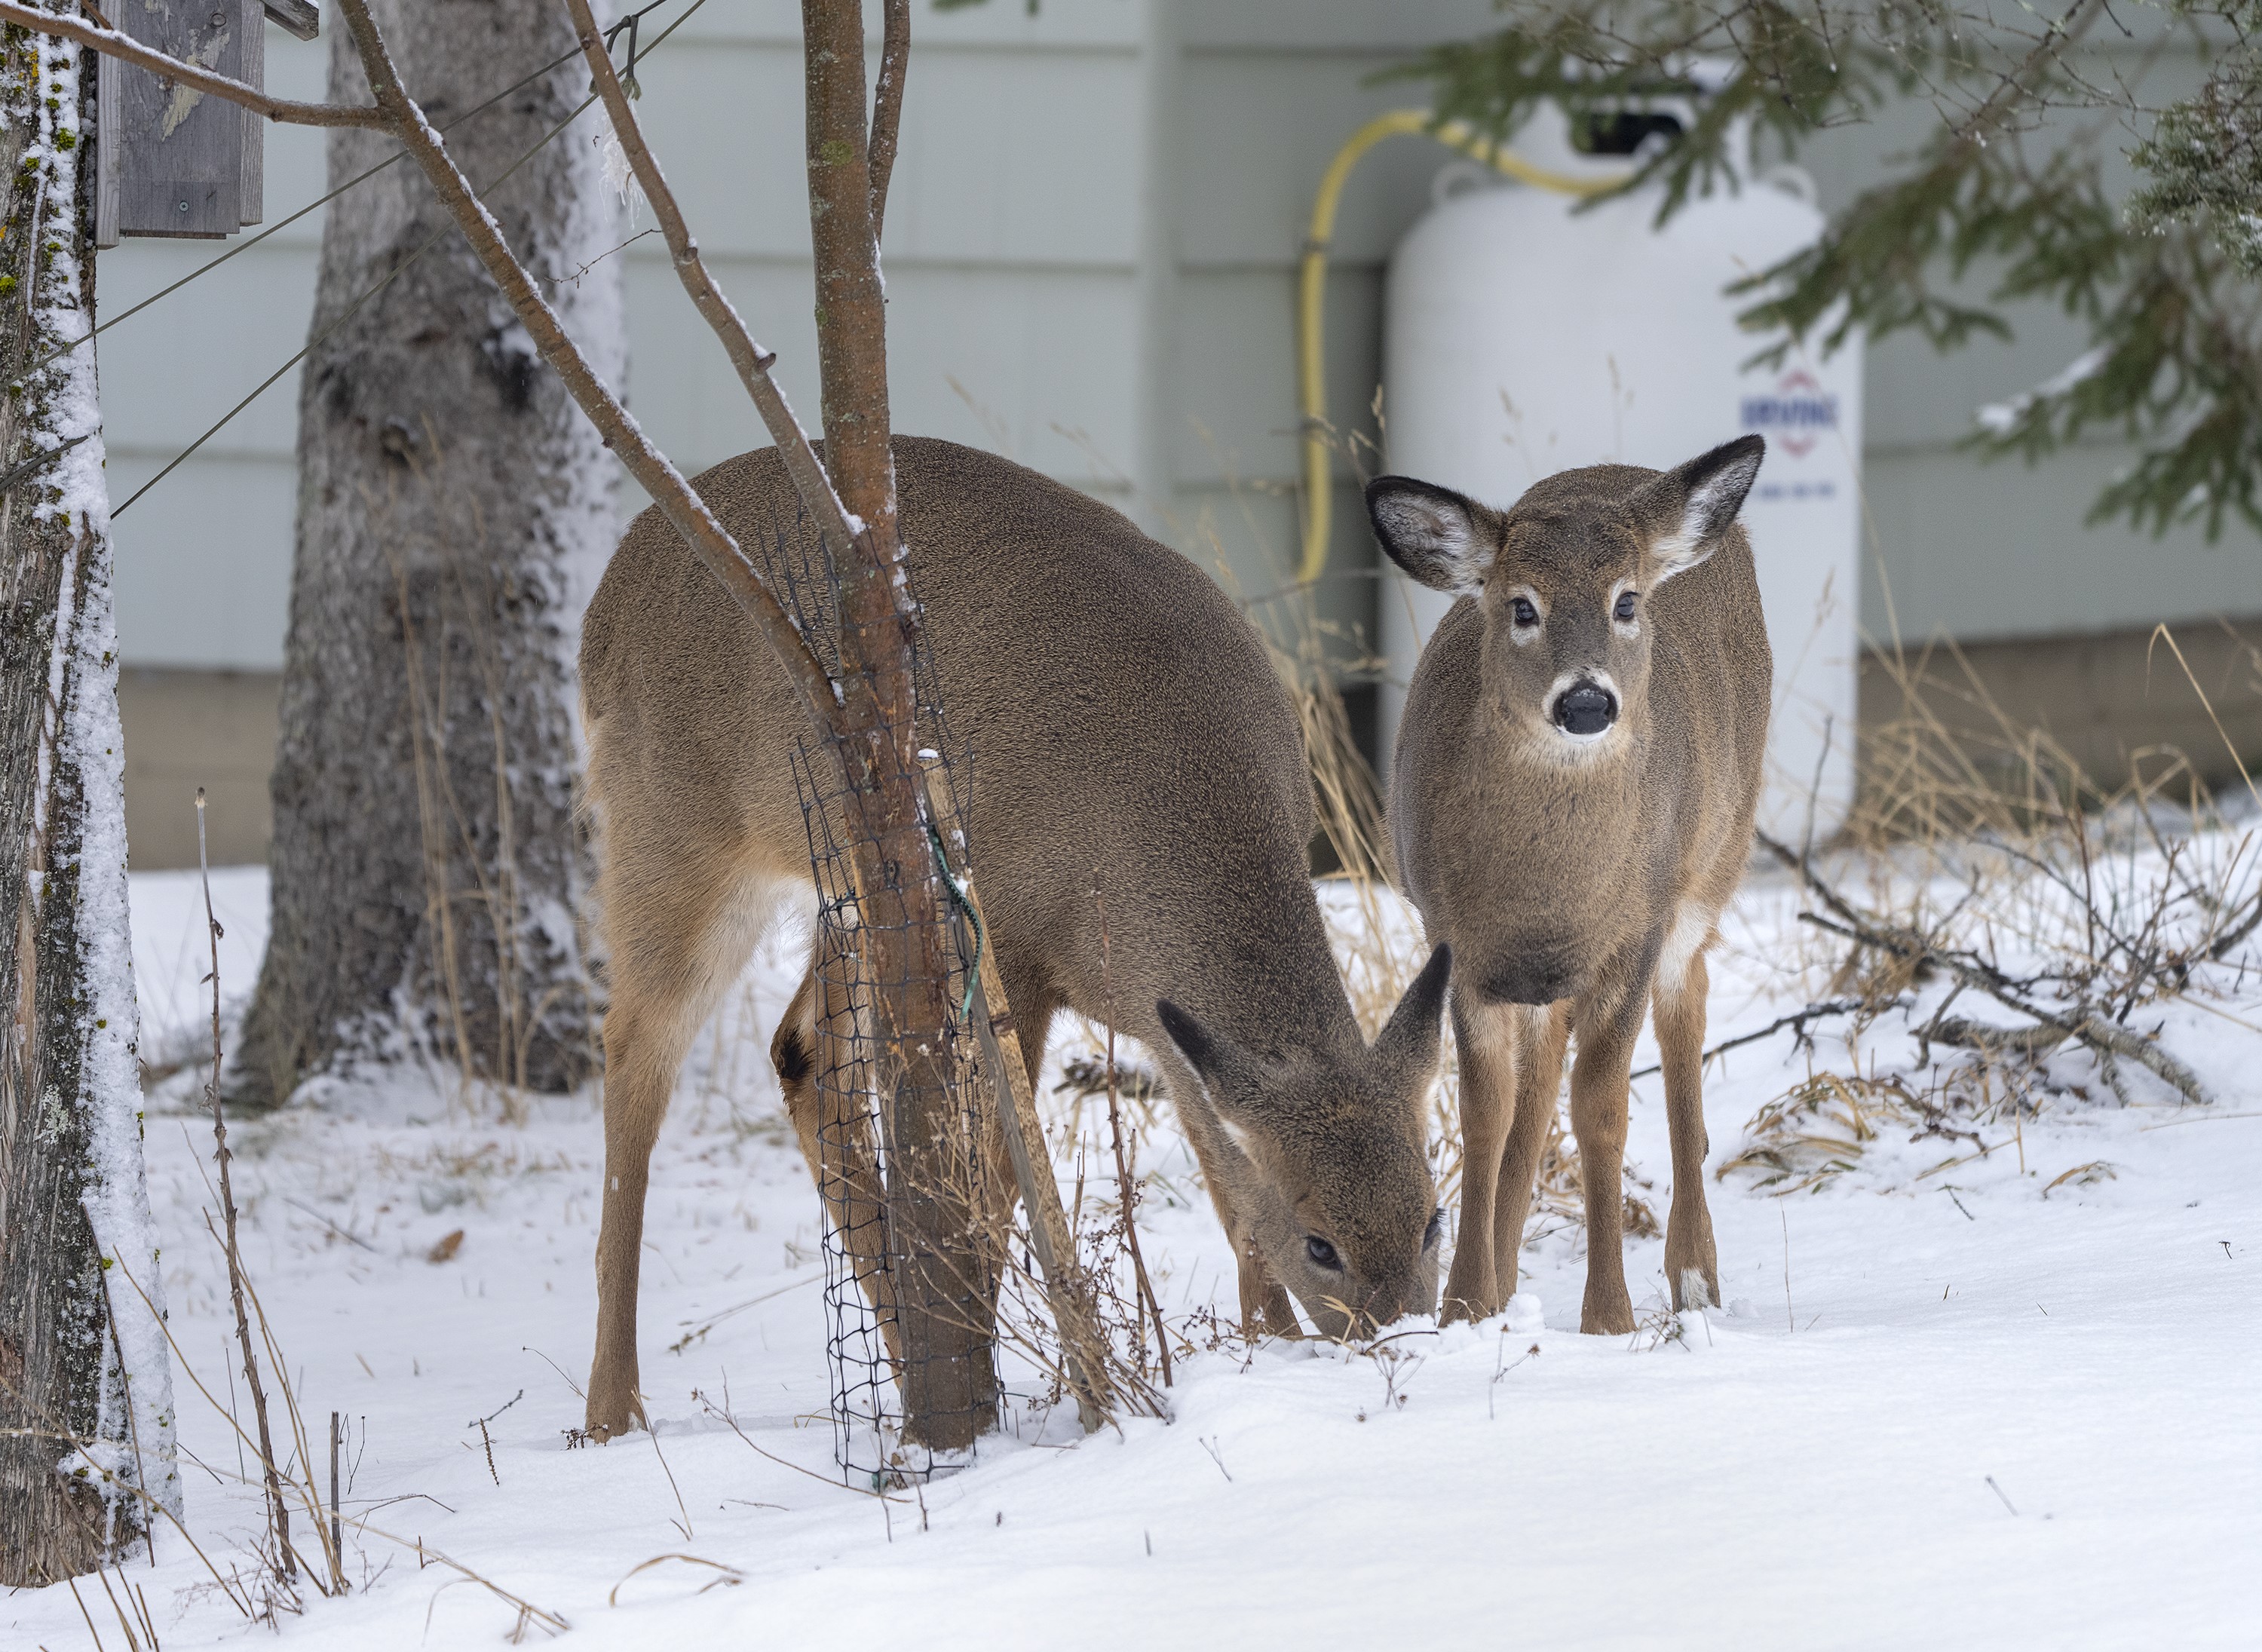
(86, 1409)
(454, 513)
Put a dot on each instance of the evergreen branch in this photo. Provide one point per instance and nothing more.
(2163, 282)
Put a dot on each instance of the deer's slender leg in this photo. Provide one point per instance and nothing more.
(1485, 1039)
(1691, 1262)
(841, 1161)
(1033, 1008)
(679, 933)
(1608, 1022)
(838, 1150)
(1541, 1036)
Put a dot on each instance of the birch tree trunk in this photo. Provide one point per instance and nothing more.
(455, 511)
(85, 1384)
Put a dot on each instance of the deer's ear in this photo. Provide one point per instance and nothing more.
(1692, 505)
(1232, 1091)
(1409, 1041)
(1441, 539)
(1221, 1064)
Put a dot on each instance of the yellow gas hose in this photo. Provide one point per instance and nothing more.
(1311, 337)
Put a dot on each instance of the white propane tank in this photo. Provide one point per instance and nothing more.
(1524, 337)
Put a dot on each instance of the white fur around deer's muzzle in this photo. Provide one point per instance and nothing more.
(1569, 722)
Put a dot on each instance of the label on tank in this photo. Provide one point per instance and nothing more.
(1795, 416)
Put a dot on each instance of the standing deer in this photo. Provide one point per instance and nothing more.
(1572, 804)
(1136, 755)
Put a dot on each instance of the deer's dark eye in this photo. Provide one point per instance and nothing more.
(1523, 612)
(1435, 1230)
(1623, 611)
(1322, 1253)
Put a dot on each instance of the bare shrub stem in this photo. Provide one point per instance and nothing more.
(278, 1513)
(1127, 1189)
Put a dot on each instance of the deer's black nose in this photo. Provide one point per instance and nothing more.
(1586, 707)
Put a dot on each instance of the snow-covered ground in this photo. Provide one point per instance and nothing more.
(1961, 1409)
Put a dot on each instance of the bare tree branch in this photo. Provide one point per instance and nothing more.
(173, 71)
(888, 102)
(809, 481)
(394, 111)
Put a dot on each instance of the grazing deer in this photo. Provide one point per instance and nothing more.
(1572, 804)
(1135, 754)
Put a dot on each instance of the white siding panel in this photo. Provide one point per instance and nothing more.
(169, 371)
(1284, 27)
(1004, 156)
(1258, 132)
(1976, 551)
(203, 563)
(1236, 370)
(999, 25)
(1043, 356)
(1249, 534)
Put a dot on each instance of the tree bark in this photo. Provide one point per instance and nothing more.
(454, 513)
(85, 1394)
(949, 1379)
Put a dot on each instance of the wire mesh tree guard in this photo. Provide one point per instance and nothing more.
(921, 1152)
(911, 1269)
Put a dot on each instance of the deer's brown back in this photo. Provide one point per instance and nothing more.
(1132, 750)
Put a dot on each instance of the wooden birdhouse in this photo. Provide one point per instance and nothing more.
(174, 161)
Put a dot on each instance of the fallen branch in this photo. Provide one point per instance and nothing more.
(2106, 1039)
(2033, 1043)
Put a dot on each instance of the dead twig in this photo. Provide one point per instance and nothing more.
(731, 1578)
(1797, 1021)
(1126, 1189)
(346, 1234)
(479, 1422)
(278, 1513)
